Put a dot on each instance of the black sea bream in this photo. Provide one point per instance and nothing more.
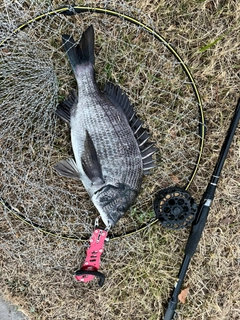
(110, 146)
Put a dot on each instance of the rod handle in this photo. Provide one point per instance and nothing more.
(196, 231)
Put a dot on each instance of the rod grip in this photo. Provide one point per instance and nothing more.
(196, 231)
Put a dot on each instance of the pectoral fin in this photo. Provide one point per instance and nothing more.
(67, 168)
(90, 162)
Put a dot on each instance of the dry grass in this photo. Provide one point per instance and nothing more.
(141, 269)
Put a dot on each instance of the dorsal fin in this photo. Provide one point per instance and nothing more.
(115, 94)
(117, 97)
(64, 107)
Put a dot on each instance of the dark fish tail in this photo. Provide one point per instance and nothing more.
(80, 53)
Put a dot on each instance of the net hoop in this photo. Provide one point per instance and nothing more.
(79, 9)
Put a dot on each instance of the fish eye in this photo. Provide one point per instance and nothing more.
(121, 208)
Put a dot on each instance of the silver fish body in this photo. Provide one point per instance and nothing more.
(109, 155)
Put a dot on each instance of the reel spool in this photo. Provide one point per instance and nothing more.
(175, 208)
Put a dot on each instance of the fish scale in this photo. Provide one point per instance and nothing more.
(113, 138)
(121, 153)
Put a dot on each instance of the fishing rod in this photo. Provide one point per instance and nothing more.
(202, 214)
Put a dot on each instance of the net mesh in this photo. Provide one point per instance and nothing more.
(35, 75)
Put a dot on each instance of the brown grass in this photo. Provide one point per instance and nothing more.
(36, 269)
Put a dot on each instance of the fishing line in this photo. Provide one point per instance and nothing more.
(130, 53)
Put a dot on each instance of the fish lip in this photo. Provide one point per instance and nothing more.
(113, 221)
(106, 217)
(110, 222)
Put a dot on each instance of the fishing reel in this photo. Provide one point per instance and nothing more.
(175, 208)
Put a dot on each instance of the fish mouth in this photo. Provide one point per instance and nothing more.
(113, 219)
(109, 217)
(109, 220)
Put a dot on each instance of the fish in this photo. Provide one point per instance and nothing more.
(110, 145)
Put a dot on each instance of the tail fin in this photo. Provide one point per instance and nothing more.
(82, 52)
